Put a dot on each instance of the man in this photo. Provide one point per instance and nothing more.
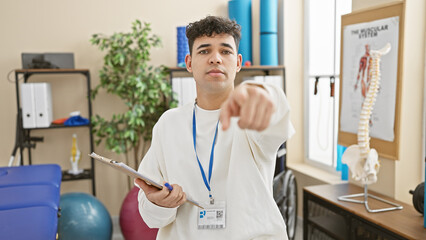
(225, 165)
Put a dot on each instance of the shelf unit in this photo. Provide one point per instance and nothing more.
(325, 217)
(23, 135)
(251, 70)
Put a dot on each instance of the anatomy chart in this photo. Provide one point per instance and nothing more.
(358, 40)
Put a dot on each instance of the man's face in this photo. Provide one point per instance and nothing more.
(214, 63)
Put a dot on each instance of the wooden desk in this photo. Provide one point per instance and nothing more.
(329, 218)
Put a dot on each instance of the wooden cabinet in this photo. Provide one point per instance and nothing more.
(325, 217)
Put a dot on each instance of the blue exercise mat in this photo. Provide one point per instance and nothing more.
(41, 174)
(268, 16)
(269, 49)
(240, 11)
(29, 223)
(29, 196)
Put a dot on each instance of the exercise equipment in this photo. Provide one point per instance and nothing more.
(285, 195)
(269, 32)
(83, 217)
(131, 223)
(419, 197)
(240, 11)
(30, 202)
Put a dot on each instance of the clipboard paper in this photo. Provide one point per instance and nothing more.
(132, 173)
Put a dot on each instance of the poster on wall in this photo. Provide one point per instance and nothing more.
(358, 40)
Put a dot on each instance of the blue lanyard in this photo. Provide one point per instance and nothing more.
(194, 137)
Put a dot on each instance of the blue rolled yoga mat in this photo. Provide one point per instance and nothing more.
(269, 49)
(268, 32)
(182, 46)
(240, 11)
(268, 16)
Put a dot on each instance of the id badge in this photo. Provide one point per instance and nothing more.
(213, 216)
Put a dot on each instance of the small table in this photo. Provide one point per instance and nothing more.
(324, 215)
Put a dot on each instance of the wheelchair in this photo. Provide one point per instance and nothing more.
(285, 193)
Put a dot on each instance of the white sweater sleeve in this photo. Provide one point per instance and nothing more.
(154, 215)
(280, 128)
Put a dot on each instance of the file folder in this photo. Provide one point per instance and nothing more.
(28, 105)
(43, 104)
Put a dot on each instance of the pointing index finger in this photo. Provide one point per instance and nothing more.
(225, 116)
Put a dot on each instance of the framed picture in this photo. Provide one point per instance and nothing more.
(363, 31)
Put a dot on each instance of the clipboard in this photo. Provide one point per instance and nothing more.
(133, 173)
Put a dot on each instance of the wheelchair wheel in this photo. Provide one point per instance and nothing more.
(285, 195)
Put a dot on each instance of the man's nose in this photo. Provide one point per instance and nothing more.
(215, 58)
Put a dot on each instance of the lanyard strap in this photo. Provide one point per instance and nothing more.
(194, 137)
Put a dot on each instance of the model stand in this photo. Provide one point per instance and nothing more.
(366, 195)
(362, 160)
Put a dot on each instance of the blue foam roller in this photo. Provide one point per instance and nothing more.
(268, 16)
(269, 49)
(43, 174)
(182, 45)
(240, 11)
(29, 223)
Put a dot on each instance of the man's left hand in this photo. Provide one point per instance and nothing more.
(252, 103)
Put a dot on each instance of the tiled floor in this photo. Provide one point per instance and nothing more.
(118, 236)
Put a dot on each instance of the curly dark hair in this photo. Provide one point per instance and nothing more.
(210, 26)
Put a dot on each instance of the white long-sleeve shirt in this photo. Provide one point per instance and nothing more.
(242, 176)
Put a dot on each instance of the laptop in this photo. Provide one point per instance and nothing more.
(47, 60)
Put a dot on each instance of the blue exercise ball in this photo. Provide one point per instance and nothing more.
(83, 217)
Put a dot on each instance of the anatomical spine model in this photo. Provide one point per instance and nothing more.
(75, 157)
(361, 160)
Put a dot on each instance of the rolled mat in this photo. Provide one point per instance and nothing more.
(268, 16)
(240, 11)
(269, 49)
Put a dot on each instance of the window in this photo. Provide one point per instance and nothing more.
(322, 63)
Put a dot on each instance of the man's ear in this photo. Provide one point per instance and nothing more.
(188, 62)
(239, 62)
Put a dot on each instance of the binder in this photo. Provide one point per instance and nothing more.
(189, 92)
(28, 105)
(177, 90)
(43, 104)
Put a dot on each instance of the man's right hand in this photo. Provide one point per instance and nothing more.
(164, 197)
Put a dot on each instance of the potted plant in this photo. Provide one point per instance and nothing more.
(143, 88)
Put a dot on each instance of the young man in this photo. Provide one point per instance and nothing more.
(219, 151)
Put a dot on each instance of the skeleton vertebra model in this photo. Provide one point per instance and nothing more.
(361, 160)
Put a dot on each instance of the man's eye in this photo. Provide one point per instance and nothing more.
(226, 52)
(203, 52)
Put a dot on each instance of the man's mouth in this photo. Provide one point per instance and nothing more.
(215, 72)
